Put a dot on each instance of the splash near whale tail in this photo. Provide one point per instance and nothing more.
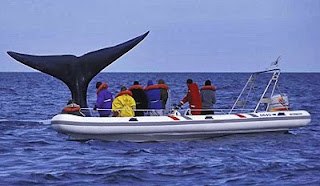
(77, 72)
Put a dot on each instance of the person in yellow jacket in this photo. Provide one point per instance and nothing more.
(123, 105)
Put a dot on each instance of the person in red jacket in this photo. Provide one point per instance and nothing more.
(193, 97)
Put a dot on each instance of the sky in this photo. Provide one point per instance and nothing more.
(185, 35)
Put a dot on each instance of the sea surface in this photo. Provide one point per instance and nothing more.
(31, 152)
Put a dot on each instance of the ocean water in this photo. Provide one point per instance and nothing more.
(31, 152)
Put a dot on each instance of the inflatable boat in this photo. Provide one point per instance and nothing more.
(176, 126)
(271, 114)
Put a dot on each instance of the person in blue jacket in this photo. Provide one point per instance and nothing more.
(154, 95)
(104, 99)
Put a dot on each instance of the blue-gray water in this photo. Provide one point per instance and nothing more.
(31, 152)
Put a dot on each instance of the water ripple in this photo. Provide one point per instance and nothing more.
(31, 152)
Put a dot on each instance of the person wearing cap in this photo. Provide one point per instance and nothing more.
(208, 98)
(123, 105)
(140, 98)
(104, 99)
(193, 97)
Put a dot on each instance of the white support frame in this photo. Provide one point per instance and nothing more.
(274, 78)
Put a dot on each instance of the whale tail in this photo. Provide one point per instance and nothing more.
(77, 72)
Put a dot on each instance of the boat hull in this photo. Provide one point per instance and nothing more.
(167, 128)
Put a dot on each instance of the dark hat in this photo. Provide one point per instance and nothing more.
(161, 81)
(98, 84)
(208, 82)
(136, 83)
(189, 81)
(123, 88)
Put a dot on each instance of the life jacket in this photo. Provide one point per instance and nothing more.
(136, 87)
(194, 98)
(72, 108)
(159, 86)
(101, 87)
(125, 92)
(208, 87)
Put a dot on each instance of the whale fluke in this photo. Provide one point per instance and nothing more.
(77, 72)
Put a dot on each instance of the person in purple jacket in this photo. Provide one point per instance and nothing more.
(104, 99)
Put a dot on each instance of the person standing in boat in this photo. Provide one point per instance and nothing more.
(208, 98)
(140, 98)
(123, 105)
(163, 93)
(193, 97)
(104, 99)
(154, 95)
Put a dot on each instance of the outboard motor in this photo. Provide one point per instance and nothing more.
(279, 102)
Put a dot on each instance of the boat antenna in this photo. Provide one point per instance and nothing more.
(275, 63)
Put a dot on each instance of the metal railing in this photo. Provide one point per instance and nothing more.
(273, 82)
(164, 112)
